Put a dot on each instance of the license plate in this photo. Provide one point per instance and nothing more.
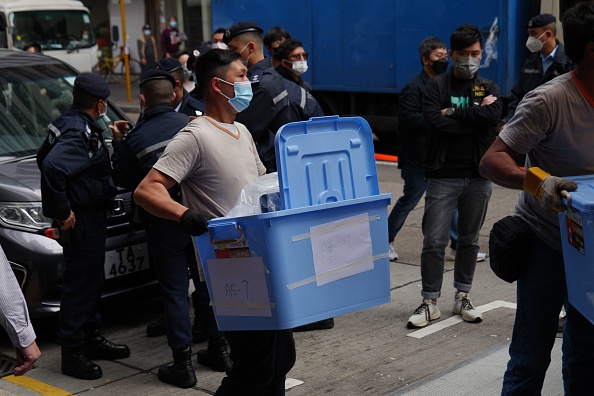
(126, 260)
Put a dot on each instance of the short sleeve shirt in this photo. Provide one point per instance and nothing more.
(554, 126)
(212, 162)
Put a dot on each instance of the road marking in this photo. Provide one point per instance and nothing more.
(425, 331)
(292, 382)
(40, 387)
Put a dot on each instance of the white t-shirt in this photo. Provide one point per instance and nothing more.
(213, 162)
(554, 126)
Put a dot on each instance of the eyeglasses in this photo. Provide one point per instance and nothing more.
(297, 57)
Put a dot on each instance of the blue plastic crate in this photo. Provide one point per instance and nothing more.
(326, 256)
(577, 236)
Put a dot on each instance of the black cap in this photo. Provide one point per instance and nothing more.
(540, 21)
(93, 84)
(168, 64)
(195, 53)
(147, 26)
(156, 74)
(239, 28)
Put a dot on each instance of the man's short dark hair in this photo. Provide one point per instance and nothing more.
(157, 92)
(213, 63)
(83, 99)
(274, 34)
(428, 45)
(465, 36)
(283, 50)
(578, 22)
(219, 30)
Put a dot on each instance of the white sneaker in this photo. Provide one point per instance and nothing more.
(426, 312)
(392, 255)
(451, 256)
(463, 306)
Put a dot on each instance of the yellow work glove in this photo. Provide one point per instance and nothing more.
(547, 189)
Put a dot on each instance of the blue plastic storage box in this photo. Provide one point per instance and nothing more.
(324, 254)
(577, 236)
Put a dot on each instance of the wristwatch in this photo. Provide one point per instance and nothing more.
(449, 111)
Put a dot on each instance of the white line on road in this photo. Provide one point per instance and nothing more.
(457, 319)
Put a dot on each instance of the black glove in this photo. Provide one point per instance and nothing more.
(193, 222)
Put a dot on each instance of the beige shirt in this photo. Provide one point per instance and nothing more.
(213, 162)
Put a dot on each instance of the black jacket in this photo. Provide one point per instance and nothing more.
(269, 110)
(75, 167)
(411, 122)
(285, 73)
(475, 122)
(531, 76)
(190, 106)
(134, 156)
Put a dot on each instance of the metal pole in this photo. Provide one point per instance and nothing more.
(125, 49)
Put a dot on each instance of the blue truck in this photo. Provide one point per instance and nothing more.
(362, 53)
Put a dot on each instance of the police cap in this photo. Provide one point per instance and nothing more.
(156, 74)
(168, 64)
(540, 21)
(240, 28)
(92, 84)
(195, 53)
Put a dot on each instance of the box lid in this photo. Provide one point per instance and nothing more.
(583, 198)
(325, 159)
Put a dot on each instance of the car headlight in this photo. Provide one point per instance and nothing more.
(26, 216)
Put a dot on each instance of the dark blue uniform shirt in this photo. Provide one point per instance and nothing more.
(134, 156)
(75, 167)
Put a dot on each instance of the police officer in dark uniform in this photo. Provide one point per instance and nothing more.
(547, 61)
(170, 246)
(76, 188)
(269, 108)
(184, 102)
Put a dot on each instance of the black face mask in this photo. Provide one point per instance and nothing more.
(440, 66)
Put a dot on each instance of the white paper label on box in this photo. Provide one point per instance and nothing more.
(339, 244)
(239, 287)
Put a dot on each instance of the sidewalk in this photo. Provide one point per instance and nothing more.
(119, 95)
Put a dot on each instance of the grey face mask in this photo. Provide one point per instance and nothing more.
(467, 67)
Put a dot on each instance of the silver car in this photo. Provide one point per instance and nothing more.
(35, 89)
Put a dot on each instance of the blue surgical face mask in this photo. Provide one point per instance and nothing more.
(173, 24)
(243, 94)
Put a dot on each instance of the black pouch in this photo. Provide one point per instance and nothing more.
(509, 244)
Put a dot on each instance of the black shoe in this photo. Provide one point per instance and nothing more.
(99, 347)
(216, 355)
(156, 328)
(77, 365)
(321, 325)
(181, 373)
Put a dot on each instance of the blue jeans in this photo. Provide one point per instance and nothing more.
(541, 292)
(414, 188)
(471, 196)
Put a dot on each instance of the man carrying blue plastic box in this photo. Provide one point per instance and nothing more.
(554, 126)
(212, 159)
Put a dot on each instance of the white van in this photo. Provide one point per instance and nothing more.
(63, 28)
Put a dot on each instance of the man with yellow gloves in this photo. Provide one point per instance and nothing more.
(553, 126)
